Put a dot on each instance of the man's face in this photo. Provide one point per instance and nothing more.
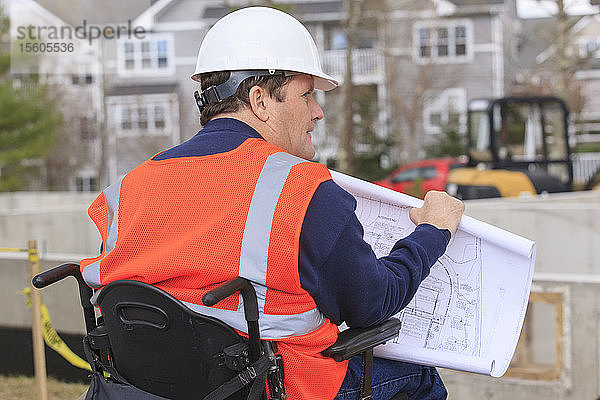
(293, 119)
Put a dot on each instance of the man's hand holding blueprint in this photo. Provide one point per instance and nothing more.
(440, 210)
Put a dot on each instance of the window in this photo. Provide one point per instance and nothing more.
(159, 116)
(589, 46)
(146, 55)
(150, 55)
(129, 56)
(82, 79)
(162, 54)
(424, 43)
(460, 41)
(447, 109)
(126, 116)
(87, 130)
(428, 172)
(415, 173)
(86, 183)
(142, 120)
(406, 176)
(153, 115)
(339, 41)
(336, 38)
(136, 119)
(442, 42)
(82, 73)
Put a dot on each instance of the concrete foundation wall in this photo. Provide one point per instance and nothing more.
(58, 221)
(61, 298)
(566, 229)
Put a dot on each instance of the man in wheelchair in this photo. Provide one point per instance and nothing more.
(241, 199)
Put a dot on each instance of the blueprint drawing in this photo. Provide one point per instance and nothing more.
(445, 312)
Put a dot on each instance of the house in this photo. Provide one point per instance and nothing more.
(140, 106)
(74, 166)
(446, 53)
(415, 67)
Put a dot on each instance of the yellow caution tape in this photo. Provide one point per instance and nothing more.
(52, 339)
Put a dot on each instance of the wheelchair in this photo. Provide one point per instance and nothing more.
(147, 345)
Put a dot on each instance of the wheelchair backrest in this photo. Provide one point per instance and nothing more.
(163, 347)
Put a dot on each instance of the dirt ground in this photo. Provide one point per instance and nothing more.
(24, 388)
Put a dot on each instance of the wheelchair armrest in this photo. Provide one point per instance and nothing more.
(354, 341)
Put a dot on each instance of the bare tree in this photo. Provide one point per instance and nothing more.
(346, 131)
(556, 74)
(407, 109)
(406, 104)
(74, 148)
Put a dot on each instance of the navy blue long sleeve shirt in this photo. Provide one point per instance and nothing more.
(336, 266)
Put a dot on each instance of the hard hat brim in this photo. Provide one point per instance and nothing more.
(325, 83)
(322, 81)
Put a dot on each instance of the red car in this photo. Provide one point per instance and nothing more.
(419, 177)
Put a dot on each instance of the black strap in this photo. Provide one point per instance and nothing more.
(216, 94)
(366, 374)
(255, 372)
(258, 387)
(95, 362)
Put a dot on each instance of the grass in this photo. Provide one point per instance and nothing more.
(25, 388)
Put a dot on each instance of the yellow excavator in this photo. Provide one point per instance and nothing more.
(516, 146)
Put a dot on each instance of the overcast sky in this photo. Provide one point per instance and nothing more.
(546, 8)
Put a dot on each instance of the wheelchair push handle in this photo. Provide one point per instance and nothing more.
(241, 285)
(56, 274)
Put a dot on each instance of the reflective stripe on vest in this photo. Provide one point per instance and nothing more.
(271, 326)
(91, 273)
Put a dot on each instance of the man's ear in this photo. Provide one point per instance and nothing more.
(258, 102)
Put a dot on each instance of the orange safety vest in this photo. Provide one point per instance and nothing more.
(188, 224)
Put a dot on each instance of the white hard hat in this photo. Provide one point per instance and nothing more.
(261, 38)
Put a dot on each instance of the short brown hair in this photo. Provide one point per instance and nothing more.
(273, 84)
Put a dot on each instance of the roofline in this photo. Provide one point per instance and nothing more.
(545, 54)
(147, 18)
(459, 11)
(584, 21)
(44, 12)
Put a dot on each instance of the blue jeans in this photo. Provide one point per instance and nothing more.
(393, 377)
